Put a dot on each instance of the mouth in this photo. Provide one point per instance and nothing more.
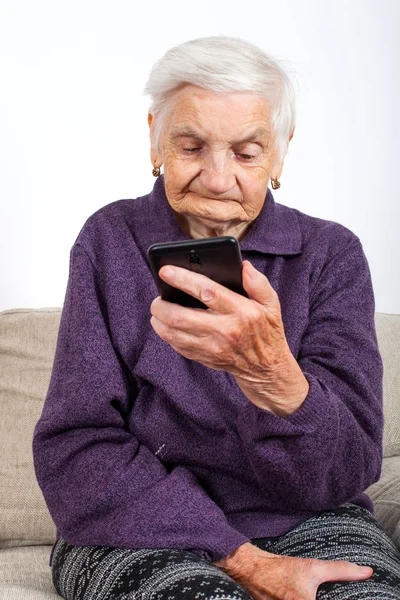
(215, 199)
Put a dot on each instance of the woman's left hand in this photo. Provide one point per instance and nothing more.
(243, 336)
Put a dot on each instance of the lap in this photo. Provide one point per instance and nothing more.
(101, 573)
(346, 533)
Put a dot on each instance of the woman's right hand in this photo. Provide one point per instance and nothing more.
(267, 576)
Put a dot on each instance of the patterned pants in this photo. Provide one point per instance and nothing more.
(346, 533)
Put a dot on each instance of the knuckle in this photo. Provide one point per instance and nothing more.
(208, 293)
(218, 353)
(316, 570)
(233, 335)
(310, 564)
(255, 316)
(308, 567)
(169, 335)
(175, 320)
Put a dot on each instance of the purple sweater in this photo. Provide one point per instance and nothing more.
(139, 447)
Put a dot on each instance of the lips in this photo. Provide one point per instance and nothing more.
(216, 199)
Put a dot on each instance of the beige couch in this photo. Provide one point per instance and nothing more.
(27, 347)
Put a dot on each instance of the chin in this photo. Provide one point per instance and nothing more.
(214, 220)
(221, 211)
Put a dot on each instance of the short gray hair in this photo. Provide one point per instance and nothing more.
(223, 64)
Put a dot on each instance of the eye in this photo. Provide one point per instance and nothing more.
(191, 150)
(246, 156)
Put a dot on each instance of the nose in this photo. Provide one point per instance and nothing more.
(217, 174)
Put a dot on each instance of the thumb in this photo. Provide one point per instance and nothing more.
(258, 287)
(343, 570)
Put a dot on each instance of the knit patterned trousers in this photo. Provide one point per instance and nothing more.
(346, 533)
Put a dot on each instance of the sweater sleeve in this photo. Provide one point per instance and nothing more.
(330, 449)
(101, 485)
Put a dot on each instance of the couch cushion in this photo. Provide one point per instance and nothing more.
(385, 494)
(388, 333)
(25, 574)
(27, 348)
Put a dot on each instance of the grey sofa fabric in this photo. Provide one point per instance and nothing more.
(385, 494)
(25, 574)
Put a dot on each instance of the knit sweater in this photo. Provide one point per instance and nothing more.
(139, 447)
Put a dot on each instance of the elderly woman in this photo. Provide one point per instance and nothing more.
(220, 453)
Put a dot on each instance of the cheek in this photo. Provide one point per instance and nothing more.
(254, 185)
(177, 178)
(177, 171)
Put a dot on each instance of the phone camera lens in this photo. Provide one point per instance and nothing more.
(194, 258)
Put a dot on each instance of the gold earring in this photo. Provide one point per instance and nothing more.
(275, 184)
(156, 171)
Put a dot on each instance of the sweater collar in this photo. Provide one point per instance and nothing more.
(275, 231)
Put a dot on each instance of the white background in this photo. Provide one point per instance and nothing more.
(73, 120)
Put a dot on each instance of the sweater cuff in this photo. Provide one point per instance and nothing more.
(226, 547)
(318, 408)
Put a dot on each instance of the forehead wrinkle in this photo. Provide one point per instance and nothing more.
(185, 131)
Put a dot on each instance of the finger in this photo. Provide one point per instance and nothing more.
(176, 338)
(258, 287)
(197, 322)
(342, 570)
(212, 294)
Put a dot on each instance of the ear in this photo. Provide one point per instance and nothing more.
(155, 156)
(276, 170)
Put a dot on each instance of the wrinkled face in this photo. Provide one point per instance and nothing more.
(218, 155)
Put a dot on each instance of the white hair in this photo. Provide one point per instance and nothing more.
(223, 64)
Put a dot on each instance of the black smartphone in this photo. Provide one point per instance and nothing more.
(218, 258)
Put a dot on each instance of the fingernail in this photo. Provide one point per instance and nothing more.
(366, 571)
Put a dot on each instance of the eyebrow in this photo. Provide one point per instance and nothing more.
(258, 134)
